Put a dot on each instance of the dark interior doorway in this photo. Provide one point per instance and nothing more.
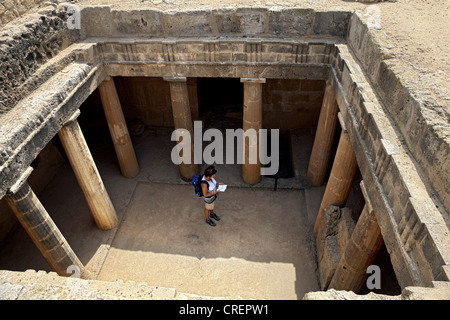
(285, 169)
(389, 284)
(220, 96)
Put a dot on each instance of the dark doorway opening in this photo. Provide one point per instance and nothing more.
(220, 96)
(388, 281)
(285, 168)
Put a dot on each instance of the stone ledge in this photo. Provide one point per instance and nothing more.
(440, 291)
(40, 285)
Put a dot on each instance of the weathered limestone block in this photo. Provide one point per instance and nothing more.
(332, 215)
(137, 22)
(97, 22)
(241, 21)
(332, 241)
(40, 285)
(328, 252)
(329, 260)
(8, 16)
(333, 294)
(9, 4)
(291, 22)
(439, 291)
(188, 23)
(25, 47)
(345, 228)
(100, 21)
(332, 23)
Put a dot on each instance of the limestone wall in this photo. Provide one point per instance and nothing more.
(12, 9)
(292, 104)
(407, 154)
(102, 21)
(424, 128)
(25, 47)
(148, 100)
(413, 228)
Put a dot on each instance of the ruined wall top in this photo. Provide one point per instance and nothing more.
(12, 9)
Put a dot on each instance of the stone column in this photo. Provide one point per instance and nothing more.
(341, 177)
(42, 230)
(193, 97)
(88, 177)
(182, 120)
(251, 170)
(323, 141)
(128, 163)
(361, 251)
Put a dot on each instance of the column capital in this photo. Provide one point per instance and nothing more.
(174, 78)
(341, 122)
(254, 80)
(72, 118)
(20, 182)
(366, 196)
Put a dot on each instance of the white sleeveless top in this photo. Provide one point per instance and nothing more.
(211, 187)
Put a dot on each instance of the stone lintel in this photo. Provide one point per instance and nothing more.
(254, 80)
(175, 78)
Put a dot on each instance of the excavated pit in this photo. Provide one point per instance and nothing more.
(264, 246)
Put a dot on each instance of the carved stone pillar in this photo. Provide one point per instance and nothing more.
(251, 172)
(88, 177)
(361, 251)
(117, 125)
(182, 120)
(323, 141)
(341, 177)
(42, 230)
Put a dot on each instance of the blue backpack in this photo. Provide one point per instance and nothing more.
(196, 182)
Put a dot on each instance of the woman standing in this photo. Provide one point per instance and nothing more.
(210, 191)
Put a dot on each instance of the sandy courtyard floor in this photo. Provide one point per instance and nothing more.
(259, 249)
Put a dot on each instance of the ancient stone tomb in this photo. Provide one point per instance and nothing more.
(297, 68)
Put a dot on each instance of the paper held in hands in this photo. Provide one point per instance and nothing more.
(222, 187)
